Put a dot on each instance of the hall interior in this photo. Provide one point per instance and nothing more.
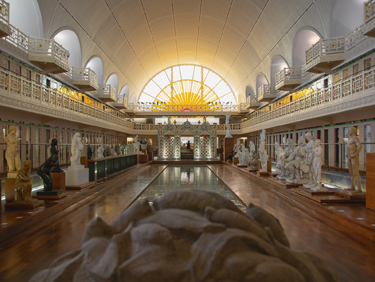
(148, 97)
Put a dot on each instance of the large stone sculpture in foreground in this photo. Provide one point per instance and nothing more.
(187, 236)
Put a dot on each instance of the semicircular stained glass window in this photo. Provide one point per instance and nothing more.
(187, 86)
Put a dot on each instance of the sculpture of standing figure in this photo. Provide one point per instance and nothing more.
(227, 125)
(354, 148)
(237, 148)
(100, 153)
(263, 157)
(310, 159)
(280, 161)
(318, 162)
(54, 151)
(253, 161)
(76, 148)
(290, 147)
(243, 156)
(23, 184)
(11, 154)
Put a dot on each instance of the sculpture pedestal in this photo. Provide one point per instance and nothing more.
(33, 203)
(263, 173)
(351, 194)
(235, 161)
(50, 195)
(10, 193)
(269, 164)
(370, 181)
(76, 177)
(58, 180)
(83, 162)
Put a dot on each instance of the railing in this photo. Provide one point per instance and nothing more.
(85, 74)
(355, 37)
(19, 87)
(288, 74)
(152, 107)
(48, 47)
(350, 86)
(369, 10)
(4, 12)
(106, 89)
(18, 39)
(326, 47)
(148, 127)
(265, 91)
(243, 107)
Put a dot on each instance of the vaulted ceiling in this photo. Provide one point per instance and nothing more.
(138, 38)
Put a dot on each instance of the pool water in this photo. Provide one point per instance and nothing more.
(178, 178)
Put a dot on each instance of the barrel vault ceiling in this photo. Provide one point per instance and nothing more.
(138, 38)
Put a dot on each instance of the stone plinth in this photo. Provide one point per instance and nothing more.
(10, 193)
(76, 176)
(58, 180)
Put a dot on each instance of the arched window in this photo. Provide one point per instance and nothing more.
(278, 63)
(96, 65)
(113, 80)
(261, 80)
(69, 40)
(25, 15)
(250, 92)
(125, 91)
(304, 39)
(187, 85)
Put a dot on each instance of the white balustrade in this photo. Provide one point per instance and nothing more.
(155, 127)
(105, 92)
(4, 12)
(154, 107)
(266, 92)
(369, 9)
(84, 77)
(288, 77)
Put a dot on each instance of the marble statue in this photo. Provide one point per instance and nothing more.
(76, 148)
(296, 163)
(354, 147)
(11, 154)
(23, 184)
(44, 171)
(227, 125)
(253, 160)
(310, 159)
(54, 151)
(243, 156)
(289, 149)
(318, 162)
(117, 150)
(237, 148)
(263, 157)
(280, 161)
(114, 153)
(187, 236)
(99, 153)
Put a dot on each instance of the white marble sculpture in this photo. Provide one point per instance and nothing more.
(318, 162)
(11, 154)
(243, 156)
(310, 145)
(253, 160)
(99, 153)
(289, 149)
(114, 153)
(237, 149)
(354, 147)
(76, 149)
(227, 125)
(280, 161)
(296, 164)
(263, 157)
(187, 236)
(136, 144)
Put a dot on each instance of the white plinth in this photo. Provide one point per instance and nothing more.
(76, 175)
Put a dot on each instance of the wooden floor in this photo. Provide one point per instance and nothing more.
(350, 254)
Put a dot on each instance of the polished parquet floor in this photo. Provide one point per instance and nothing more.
(350, 254)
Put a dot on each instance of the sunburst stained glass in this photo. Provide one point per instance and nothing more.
(187, 86)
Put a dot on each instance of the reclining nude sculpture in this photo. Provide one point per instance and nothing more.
(187, 236)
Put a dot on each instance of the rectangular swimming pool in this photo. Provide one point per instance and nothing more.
(187, 177)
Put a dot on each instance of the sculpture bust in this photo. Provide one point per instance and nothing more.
(23, 184)
(354, 147)
(76, 148)
(11, 154)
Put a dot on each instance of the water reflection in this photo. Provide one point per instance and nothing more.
(175, 178)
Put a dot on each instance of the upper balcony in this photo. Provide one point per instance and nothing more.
(288, 78)
(85, 79)
(121, 104)
(105, 92)
(252, 103)
(325, 55)
(4, 19)
(49, 55)
(267, 93)
(369, 24)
